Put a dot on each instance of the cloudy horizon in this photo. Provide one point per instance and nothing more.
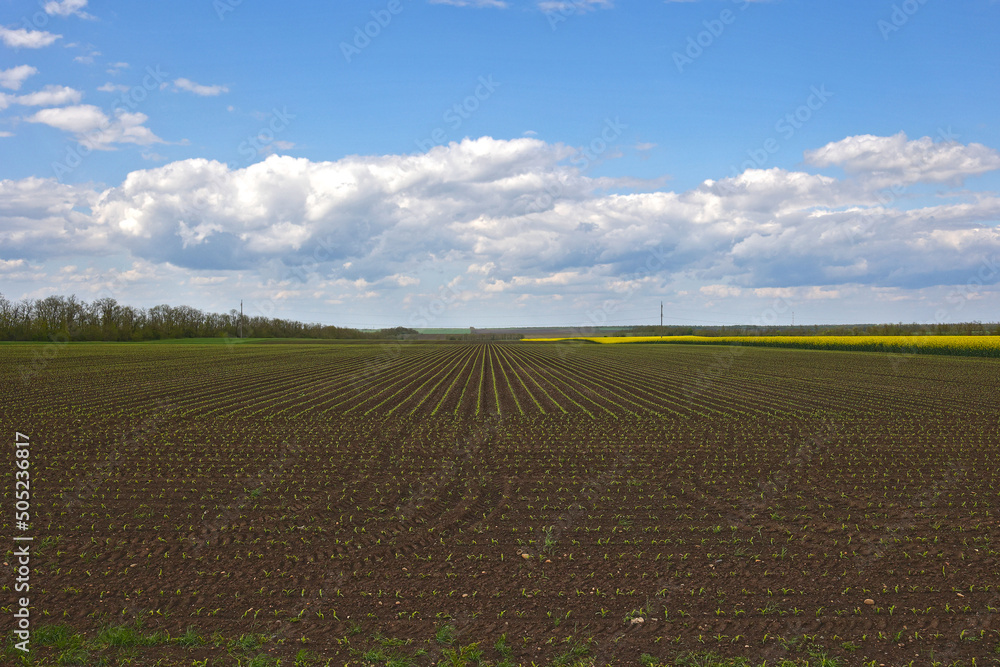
(367, 177)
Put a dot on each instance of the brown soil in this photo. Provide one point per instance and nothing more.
(735, 510)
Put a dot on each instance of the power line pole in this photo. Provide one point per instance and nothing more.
(661, 319)
(241, 319)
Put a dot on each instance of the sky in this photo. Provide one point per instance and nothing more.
(443, 163)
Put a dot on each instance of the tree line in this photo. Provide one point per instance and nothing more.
(71, 319)
(915, 329)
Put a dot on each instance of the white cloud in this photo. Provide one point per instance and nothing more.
(898, 160)
(88, 57)
(113, 88)
(381, 216)
(67, 8)
(195, 235)
(498, 4)
(198, 89)
(574, 6)
(806, 293)
(76, 119)
(484, 269)
(40, 216)
(12, 264)
(207, 280)
(403, 281)
(13, 78)
(720, 291)
(4, 133)
(50, 96)
(95, 129)
(482, 214)
(21, 38)
(116, 68)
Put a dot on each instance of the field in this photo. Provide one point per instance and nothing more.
(969, 346)
(505, 504)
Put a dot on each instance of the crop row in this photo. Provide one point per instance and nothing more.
(306, 382)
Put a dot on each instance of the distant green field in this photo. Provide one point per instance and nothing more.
(444, 331)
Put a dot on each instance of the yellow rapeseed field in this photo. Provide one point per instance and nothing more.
(979, 346)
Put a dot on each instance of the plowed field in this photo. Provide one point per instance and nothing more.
(369, 503)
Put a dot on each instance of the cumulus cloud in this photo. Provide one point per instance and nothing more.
(514, 218)
(67, 8)
(516, 207)
(198, 89)
(22, 38)
(897, 159)
(13, 78)
(50, 96)
(40, 217)
(95, 129)
(361, 207)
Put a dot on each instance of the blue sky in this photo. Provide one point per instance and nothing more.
(522, 162)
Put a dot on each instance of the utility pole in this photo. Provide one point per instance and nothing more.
(661, 319)
(241, 319)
